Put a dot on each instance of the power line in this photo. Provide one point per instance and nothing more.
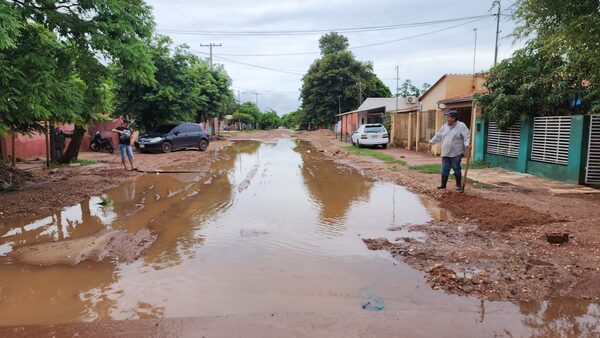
(417, 36)
(321, 31)
(368, 45)
(285, 71)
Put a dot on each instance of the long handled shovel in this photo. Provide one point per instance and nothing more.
(464, 182)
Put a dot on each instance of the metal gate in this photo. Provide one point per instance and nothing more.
(551, 136)
(592, 173)
(503, 143)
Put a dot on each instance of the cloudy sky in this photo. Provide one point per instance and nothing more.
(423, 52)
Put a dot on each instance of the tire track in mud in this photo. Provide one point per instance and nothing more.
(249, 177)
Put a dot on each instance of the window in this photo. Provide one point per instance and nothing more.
(164, 129)
(377, 129)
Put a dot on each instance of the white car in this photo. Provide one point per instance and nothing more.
(370, 135)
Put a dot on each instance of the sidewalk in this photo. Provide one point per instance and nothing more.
(412, 157)
(497, 177)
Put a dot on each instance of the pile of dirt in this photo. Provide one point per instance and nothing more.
(12, 178)
(115, 244)
(491, 214)
(378, 243)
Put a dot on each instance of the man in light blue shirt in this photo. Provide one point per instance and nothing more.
(456, 140)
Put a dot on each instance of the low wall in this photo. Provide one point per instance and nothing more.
(573, 172)
(29, 146)
(33, 146)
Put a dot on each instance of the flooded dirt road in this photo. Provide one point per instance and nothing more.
(272, 229)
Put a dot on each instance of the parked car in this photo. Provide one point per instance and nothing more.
(169, 137)
(370, 135)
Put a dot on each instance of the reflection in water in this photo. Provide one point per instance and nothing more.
(332, 187)
(288, 241)
(562, 317)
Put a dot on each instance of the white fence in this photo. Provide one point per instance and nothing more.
(551, 136)
(592, 174)
(503, 143)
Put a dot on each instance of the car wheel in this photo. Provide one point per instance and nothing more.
(384, 146)
(358, 144)
(203, 145)
(167, 147)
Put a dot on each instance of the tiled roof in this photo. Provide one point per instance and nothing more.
(461, 98)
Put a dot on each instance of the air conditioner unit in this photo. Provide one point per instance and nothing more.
(411, 99)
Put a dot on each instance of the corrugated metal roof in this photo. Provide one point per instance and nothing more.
(388, 102)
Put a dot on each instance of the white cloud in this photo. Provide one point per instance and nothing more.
(422, 59)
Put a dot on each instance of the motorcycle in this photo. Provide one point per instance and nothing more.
(102, 144)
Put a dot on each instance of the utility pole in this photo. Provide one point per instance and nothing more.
(253, 93)
(359, 93)
(497, 2)
(339, 104)
(210, 47)
(474, 51)
(397, 88)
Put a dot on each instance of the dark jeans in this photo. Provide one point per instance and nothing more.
(451, 162)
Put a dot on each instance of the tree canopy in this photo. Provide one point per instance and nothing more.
(409, 89)
(557, 72)
(269, 120)
(248, 113)
(53, 57)
(337, 78)
(184, 88)
(291, 120)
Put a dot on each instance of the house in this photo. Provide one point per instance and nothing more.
(373, 110)
(414, 127)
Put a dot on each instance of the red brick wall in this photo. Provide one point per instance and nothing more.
(34, 146)
(29, 146)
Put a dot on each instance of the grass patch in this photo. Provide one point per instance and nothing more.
(437, 168)
(427, 168)
(480, 185)
(105, 201)
(83, 161)
(374, 154)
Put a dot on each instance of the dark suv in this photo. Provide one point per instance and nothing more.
(171, 137)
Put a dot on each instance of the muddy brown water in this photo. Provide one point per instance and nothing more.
(273, 228)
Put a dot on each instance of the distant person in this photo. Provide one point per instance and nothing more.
(60, 139)
(125, 143)
(455, 138)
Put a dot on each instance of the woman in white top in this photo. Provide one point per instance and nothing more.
(455, 138)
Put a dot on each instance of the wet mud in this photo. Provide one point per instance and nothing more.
(114, 244)
(289, 250)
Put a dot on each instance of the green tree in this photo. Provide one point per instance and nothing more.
(269, 120)
(248, 113)
(557, 72)
(337, 75)
(409, 89)
(184, 89)
(291, 120)
(61, 50)
(530, 83)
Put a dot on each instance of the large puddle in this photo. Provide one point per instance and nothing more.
(273, 228)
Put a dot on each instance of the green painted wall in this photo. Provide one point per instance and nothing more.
(548, 170)
(574, 172)
(480, 140)
(509, 163)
